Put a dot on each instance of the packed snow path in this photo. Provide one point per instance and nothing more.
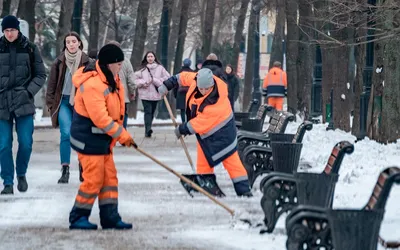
(163, 214)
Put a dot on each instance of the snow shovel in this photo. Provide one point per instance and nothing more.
(187, 181)
(181, 138)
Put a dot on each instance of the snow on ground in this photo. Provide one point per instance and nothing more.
(164, 216)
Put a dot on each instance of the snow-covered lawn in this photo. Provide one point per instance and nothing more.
(164, 216)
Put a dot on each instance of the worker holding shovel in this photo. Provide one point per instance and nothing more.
(210, 118)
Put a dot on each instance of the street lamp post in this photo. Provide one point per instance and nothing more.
(367, 75)
(256, 64)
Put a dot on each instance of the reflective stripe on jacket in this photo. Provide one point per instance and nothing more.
(275, 83)
(210, 117)
(98, 112)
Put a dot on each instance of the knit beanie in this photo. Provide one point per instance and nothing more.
(110, 53)
(187, 62)
(205, 78)
(9, 22)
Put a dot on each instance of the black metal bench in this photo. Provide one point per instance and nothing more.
(251, 112)
(283, 191)
(277, 124)
(254, 124)
(257, 159)
(325, 228)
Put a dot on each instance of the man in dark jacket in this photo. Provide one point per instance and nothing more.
(180, 92)
(21, 77)
(215, 65)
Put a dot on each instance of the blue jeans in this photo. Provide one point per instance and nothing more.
(24, 127)
(65, 120)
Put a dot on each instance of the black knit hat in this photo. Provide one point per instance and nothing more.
(110, 53)
(9, 22)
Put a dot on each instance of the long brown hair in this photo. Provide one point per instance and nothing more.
(72, 33)
(144, 61)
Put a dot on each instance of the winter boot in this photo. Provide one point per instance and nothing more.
(149, 133)
(64, 174)
(8, 189)
(83, 224)
(242, 188)
(80, 172)
(22, 184)
(208, 182)
(110, 219)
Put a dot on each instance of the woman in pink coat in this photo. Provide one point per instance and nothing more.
(151, 76)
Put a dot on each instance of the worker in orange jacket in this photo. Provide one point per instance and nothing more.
(210, 118)
(97, 125)
(275, 86)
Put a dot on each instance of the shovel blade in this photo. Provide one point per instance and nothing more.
(208, 182)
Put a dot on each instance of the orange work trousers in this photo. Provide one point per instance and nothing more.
(276, 102)
(100, 180)
(232, 164)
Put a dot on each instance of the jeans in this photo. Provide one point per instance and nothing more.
(149, 108)
(183, 115)
(24, 128)
(126, 116)
(65, 120)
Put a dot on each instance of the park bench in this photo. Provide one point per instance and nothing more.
(257, 159)
(251, 111)
(277, 124)
(282, 191)
(327, 228)
(254, 124)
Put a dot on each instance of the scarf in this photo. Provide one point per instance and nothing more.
(72, 61)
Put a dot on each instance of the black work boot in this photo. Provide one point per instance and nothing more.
(64, 174)
(8, 189)
(80, 172)
(22, 184)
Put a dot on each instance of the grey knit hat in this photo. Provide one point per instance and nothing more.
(205, 78)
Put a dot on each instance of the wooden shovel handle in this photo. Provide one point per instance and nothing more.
(181, 138)
(183, 178)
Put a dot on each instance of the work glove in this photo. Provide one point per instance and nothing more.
(162, 90)
(177, 132)
(129, 143)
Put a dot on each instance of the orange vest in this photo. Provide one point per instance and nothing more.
(98, 112)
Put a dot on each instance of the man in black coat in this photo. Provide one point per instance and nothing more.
(180, 92)
(22, 75)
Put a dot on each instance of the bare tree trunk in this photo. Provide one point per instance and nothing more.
(248, 78)
(140, 33)
(306, 52)
(239, 31)
(182, 35)
(375, 100)
(174, 31)
(26, 11)
(138, 45)
(6, 8)
(166, 4)
(360, 35)
(279, 34)
(390, 122)
(94, 27)
(208, 27)
(64, 23)
(358, 81)
(292, 38)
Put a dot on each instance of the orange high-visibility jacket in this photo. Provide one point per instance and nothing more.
(98, 112)
(275, 83)
(210, 117)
